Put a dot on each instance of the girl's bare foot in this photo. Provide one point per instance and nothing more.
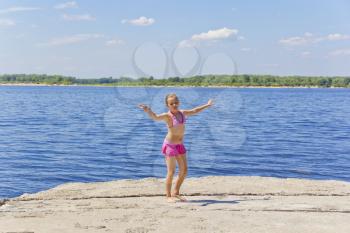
(172, 199)
(179, 197)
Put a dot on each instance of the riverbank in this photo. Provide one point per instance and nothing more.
(215, 204)
(157, 86)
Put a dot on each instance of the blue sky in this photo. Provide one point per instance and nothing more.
(93, 39)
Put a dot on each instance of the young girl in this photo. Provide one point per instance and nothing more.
(173, 147)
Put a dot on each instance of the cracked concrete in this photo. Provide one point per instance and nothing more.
(215, 204)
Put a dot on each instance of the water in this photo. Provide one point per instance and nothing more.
(52, 135)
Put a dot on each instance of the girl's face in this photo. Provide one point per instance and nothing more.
(173, 103)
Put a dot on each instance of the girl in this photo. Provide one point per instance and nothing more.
(173, 147)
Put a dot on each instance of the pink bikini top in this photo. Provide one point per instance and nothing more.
(175, 121)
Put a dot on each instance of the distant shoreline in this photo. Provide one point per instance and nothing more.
(156, 86)
(206, 81)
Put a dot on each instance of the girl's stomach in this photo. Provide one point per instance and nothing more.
(175, 139)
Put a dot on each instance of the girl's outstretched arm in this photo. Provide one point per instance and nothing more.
(198, 109)
(151, 114)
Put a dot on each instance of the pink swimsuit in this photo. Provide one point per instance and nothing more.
(170, 149)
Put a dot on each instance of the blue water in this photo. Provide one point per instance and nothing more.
(52, 135)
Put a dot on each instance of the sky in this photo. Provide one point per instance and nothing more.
(94, 39)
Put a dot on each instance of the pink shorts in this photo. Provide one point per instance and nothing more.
(172, 150)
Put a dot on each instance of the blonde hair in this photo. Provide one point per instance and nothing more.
(169, 96)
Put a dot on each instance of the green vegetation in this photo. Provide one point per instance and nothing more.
(201, 80)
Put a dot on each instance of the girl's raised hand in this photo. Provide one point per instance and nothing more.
(144, 107)
(210, 102)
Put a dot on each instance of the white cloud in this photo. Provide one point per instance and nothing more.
(66, 5)
(114, 42)
(71, 39)
(218, 34)
(84, 17)
(292, 41)
(340, 52)
(18, 9)
(5, 23)
(186, 44)
(309, 38)
(142, 21)
(337, 36)
(211, 35)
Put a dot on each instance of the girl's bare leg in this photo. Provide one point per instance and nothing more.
(182, 162)
(171, 166)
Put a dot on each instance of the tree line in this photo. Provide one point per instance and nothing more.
(199, 80)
